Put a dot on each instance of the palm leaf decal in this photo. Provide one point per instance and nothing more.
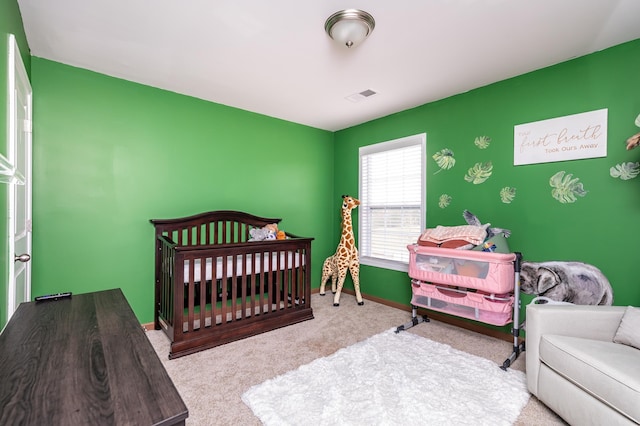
(444, 201)
(507, 194)
(625, 171)
(479, 173)
(482, 142)
(566, 188)
(444, 159)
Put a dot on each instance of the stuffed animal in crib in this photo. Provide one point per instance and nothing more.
(574, 282)
(273, 227)
(261, 234)
(345, 258)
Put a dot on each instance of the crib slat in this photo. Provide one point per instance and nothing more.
(299, 296)
(203, 291)
(243, 302)
(234, 288)
(268, 301)
(223, 285)
(288, 288)
(215, 290)
(215, 226)
(277, 285)
(253, 283)
(190, 297)
(260, 275)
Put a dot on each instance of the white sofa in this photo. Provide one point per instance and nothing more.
(574, 367)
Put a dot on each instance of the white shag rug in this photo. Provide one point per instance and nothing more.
(392, 379)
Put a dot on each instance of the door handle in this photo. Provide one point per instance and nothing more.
(22, 258)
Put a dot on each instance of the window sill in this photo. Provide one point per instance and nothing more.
(394, 265)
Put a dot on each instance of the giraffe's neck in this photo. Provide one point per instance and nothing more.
(347, 229)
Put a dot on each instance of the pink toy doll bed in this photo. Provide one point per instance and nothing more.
(481, 286)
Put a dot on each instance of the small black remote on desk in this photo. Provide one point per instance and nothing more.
(56, 296)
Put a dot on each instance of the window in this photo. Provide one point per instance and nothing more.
(392, 207)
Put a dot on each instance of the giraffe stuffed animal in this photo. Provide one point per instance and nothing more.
(345, 258)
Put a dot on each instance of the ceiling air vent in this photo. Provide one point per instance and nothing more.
(357, 97)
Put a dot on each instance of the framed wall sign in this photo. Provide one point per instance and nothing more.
(572, 137)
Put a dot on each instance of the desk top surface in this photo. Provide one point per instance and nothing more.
(83, 360)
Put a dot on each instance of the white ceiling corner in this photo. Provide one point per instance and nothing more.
(273, 57)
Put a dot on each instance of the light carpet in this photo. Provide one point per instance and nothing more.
(392, 379)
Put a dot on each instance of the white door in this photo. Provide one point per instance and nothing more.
(19, 189)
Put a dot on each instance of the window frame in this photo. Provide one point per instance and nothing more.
(417, 139)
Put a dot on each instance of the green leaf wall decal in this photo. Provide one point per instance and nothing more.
(444, 159)
(479, 173)
(625, 171)
(482, 142)
(444, 201)
(566, 188)
(507, 194)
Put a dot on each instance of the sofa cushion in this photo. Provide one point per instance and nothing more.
(606, 370)
(628, 332)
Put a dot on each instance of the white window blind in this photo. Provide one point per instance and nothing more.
(392, 208)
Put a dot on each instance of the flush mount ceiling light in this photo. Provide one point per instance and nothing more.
(349, 27)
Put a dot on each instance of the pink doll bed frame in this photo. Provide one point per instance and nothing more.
(481, 286)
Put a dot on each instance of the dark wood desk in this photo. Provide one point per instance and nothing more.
(83, 361)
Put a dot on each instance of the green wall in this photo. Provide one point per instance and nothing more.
(109, 155)
(600, 228)
(10, 23)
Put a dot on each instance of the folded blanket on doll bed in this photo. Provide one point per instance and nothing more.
(440, 234)
(287, 260)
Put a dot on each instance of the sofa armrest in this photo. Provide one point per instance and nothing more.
(586, 321)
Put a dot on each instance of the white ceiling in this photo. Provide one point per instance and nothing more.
(274, 58)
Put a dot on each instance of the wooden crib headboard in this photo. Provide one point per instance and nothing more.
(215, 227)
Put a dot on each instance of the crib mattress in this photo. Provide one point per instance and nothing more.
(255, 264)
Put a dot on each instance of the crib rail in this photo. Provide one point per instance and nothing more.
(216, 227)
(224, 284)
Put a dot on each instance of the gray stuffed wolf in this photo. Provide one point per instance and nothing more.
(574, 282)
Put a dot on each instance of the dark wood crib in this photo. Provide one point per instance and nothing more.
(214, 286)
